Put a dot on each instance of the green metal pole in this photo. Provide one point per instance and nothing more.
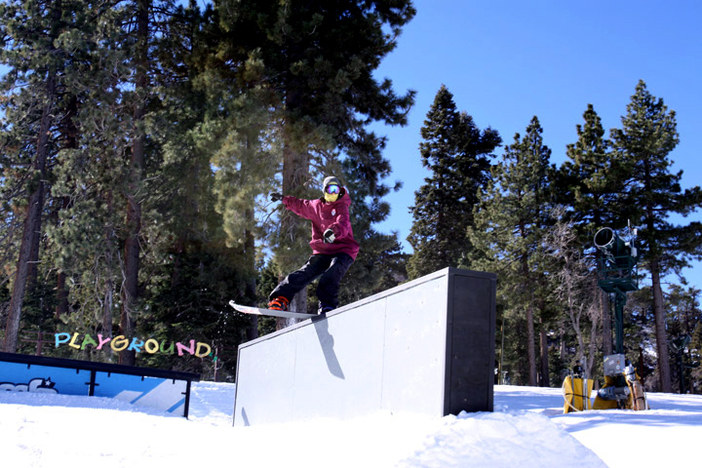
(619, 302)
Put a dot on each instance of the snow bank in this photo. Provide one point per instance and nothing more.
(500, 439)
(527, 429)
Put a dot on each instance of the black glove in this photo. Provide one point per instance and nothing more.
(329, 236)
(275, 196)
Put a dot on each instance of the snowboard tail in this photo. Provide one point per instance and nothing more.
(269, 312)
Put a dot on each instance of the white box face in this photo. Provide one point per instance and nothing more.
(385, 353)
(339, 368)
(415, 349)
(269, 376)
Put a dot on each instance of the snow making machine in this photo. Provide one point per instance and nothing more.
(616, 269)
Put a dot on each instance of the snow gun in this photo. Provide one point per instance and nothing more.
(616, 269)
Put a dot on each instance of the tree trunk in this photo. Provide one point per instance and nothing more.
(531, 351)
(109, 286)
(33, 263)
(607, 347)
(70, 132)
(295, 175)
(32, 221)
(107, 304)
(250, 291)
(661, 333)
(61, 295)
(61, 277)
(545, 378)
(130, 291)
(590, 364)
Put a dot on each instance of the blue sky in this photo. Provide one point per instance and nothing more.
(506, 61)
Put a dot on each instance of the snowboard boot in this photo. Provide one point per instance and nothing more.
(279, 303)
(324, 308)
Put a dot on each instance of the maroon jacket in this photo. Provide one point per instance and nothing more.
(324, 215)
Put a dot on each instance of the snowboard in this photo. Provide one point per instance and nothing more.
(269, 312)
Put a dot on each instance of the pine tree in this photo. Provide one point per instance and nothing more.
(592, 182)
(198, 246)
(107, 194)
(103, 121)
(315, 60)
(647, 137)
(695, 358)
(126, 131)
(132, 251)
(85, 239)
(457, 154)
(510, 222)
(31, 32)
(683, 316)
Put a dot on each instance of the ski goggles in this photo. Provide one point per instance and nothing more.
(332, 189)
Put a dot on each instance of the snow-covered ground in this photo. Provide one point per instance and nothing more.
(527, 429)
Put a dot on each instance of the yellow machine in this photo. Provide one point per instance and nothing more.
(576, 393)
(622, 389)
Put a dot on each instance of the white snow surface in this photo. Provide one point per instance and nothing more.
(527, 429)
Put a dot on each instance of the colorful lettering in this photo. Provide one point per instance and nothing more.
(170, 350)
(200, 353)
(151, 346)
(119, 343)
(87, 340)
(73, 344)
(62, 338)
(181, 347)
(103, 340)
(136, 345)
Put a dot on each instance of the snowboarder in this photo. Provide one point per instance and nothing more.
(334, 248)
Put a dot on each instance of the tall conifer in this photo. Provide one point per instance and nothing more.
(137, 161)
(85, 239)
(457, 154)
(31, 32)
(592, 182)
(510, 222)
(316, 60)
(647, 137)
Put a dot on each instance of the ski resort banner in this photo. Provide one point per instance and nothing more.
(164, 390)
(120, 343)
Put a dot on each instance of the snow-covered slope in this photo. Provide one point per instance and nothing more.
(527, 429)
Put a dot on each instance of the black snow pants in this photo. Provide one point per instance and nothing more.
(329, 268)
